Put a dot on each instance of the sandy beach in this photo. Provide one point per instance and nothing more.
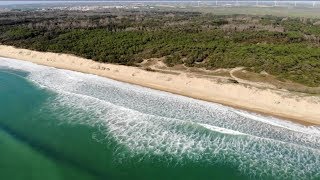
(294, 106)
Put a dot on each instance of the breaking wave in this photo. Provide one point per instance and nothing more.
(151, 123)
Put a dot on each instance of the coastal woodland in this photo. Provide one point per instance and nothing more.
(286, 47)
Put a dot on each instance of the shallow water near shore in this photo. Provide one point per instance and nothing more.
(59, 124)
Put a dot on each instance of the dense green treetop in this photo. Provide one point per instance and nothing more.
(285, 47)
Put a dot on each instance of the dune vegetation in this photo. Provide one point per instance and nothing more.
(286, 47)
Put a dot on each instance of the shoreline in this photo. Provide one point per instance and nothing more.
(296, 107)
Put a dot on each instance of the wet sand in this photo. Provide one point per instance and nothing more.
(294, 106)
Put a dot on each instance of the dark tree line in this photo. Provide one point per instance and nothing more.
(285, 47)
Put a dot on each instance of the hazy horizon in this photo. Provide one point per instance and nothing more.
(222, 2)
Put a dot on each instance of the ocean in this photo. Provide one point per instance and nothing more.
(59, 124)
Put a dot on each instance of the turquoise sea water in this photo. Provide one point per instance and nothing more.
(58, 124)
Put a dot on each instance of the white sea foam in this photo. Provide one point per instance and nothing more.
(221, 130)
(312, 130)
(154, 123)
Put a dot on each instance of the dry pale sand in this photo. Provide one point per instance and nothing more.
(299, 107)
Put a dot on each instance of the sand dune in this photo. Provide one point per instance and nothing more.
(294, 106)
